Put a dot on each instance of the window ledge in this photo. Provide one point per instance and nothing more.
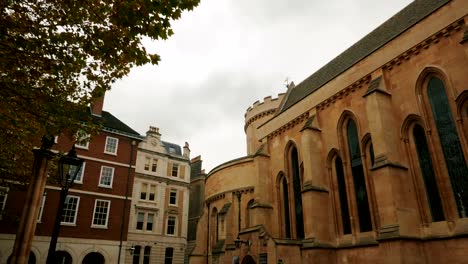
(99, 227)
(110, 153)
(105, 186)
(68, 224)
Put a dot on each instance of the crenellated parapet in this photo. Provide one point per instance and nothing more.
(258, 110)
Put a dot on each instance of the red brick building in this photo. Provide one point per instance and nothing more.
(95, 218)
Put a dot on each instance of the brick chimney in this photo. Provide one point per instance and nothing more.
(97, 105)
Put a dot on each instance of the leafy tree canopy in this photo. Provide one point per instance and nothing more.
(53, 52)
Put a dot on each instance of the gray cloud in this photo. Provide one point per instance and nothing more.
(227, 54)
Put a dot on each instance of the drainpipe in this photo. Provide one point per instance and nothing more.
(208, 234)
(126, 200)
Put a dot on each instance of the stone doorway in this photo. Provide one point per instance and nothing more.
(248, 260)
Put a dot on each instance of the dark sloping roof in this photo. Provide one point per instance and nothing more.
(109, 121)
(172, 148)
(409, 16)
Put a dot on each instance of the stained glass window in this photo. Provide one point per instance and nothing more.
(450, 143)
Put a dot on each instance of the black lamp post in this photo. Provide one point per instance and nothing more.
(68, 164)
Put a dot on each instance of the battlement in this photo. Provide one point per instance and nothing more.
(267, 103)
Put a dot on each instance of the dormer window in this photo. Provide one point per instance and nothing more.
(172, 150)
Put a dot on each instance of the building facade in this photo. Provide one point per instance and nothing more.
(159, 210)
(365, 161)
(96, 213)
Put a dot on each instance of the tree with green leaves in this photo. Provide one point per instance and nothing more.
(56, 56)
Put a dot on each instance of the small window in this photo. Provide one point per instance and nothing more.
(82, 139)
(168, 255)
(175, 170)
(140, 221)
(41, 208)
(154, 166)
(152, 193)
(79, 176)
(107, 176)
(70, 210)
(173, 197)
(111, 145)
(143, 191)
(136, 255)
(101, 213)
(147, 163)
(149, 222)
(171, 222)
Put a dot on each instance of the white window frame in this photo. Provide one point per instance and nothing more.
(41, 208)
(107, 214)
(144, 227)
(76, 211)
(112, 177)
(176, 194)
(80, 174)
(83, 136)
(116, 145)
(175, 225)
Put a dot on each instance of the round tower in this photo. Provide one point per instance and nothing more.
(255, 116)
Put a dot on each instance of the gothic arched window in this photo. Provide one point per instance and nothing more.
(360, 189)
(450, 143)
(287, 223)
(296, 179)
(343, 196)
(428, 175)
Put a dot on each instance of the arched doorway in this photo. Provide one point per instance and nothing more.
(31, 259)
(63, 257)
(94, 258)
(248, 260)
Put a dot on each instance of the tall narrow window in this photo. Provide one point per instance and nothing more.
(149, 222)
(360, 191)
(147, 163)
(140, 221)
(143, 191)
(168, 255)
(287, 223)
(154, 166)
(450, 143)
(146, 255)
(152, 192)
(173, 197)
(345, 219)
(171, 222)
(427, 171)
(136, 255)
(297, 194)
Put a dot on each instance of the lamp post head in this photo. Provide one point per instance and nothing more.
(237, 242)
(69, 167)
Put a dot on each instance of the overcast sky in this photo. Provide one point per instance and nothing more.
(225, 55)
